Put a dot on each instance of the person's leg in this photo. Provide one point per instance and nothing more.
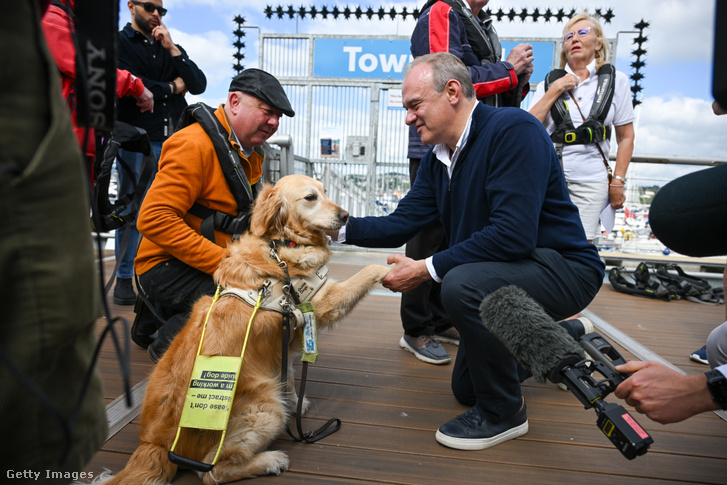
(717, 346)
(590, 198)
(421, 310)
(174, 287)
(49, 286)
(485, 367)
(126, 249)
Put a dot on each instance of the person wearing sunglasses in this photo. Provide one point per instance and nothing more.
(146, 49)
(580, 127)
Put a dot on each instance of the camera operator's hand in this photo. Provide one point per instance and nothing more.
(664, 395)
(145, 101)
(161, 34)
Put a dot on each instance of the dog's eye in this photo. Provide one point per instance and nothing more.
(311, 197)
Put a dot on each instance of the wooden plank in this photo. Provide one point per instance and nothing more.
(391, 404)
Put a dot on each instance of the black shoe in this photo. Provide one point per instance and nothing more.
(124, 292)
(471, 431)
(166, 334)
(153, 355)
(144, 326)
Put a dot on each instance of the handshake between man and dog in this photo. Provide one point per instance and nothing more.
(290, 218)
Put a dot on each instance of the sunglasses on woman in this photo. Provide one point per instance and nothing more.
(581, 33)
(150, 7)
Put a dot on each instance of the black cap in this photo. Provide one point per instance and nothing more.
(264, 86)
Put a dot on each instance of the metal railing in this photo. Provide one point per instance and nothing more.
(348, 188)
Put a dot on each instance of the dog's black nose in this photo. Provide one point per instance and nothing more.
(343, 216)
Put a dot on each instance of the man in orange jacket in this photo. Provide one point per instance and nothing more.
(175, 262)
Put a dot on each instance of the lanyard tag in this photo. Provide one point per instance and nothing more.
(310, 333)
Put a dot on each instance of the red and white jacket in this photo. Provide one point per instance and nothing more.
(58, 36)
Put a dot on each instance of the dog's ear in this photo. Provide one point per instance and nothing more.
(269, 214)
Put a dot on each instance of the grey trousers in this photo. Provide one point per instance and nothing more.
(717, 346)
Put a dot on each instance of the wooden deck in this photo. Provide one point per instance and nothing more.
(391, 405)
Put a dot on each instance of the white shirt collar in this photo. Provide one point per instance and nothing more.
(441, 151)
(591, 69)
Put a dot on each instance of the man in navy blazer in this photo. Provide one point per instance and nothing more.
(494, 179)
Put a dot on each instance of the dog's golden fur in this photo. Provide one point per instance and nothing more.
(297, 209)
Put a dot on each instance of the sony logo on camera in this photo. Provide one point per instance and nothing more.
(97, 27)
(100, 113)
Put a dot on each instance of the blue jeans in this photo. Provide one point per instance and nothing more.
(126, 185)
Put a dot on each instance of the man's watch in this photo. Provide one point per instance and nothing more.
(618, 177)
(717, 385)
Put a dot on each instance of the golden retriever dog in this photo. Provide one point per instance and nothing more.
(295, 209)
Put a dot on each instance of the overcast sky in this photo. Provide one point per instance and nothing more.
(675, 117)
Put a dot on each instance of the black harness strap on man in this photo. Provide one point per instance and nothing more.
(229, 160)
(592, 130)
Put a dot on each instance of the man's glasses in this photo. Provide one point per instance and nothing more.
(150, 7)
(581, 33)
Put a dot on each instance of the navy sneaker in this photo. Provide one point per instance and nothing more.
(449, 336)
(425, 348)
(471, 431)
(700, 356)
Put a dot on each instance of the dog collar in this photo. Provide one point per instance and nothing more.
(274, 243)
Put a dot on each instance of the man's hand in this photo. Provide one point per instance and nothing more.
(664, 395)
(161, 34)
(521, 57)
(145, 101)
(717, 109)
(407, 273)
(524, 76)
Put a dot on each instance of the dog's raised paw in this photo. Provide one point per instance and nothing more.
(276, 462)
(304, 407)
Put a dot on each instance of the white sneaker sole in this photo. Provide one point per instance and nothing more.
(405, 345)
(481, 443)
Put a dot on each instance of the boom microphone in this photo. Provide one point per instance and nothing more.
(536, 341)
(547, 349)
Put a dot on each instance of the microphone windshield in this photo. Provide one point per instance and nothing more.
(533, 337)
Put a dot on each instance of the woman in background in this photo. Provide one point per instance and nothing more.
(570, 97)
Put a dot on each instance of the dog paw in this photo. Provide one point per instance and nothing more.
(275, 462)
(293, 400)
(379, 271)
(305, 406)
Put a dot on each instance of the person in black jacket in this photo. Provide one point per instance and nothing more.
(464, 29)
(146, 49)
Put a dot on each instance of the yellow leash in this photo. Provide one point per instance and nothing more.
(210, 393)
